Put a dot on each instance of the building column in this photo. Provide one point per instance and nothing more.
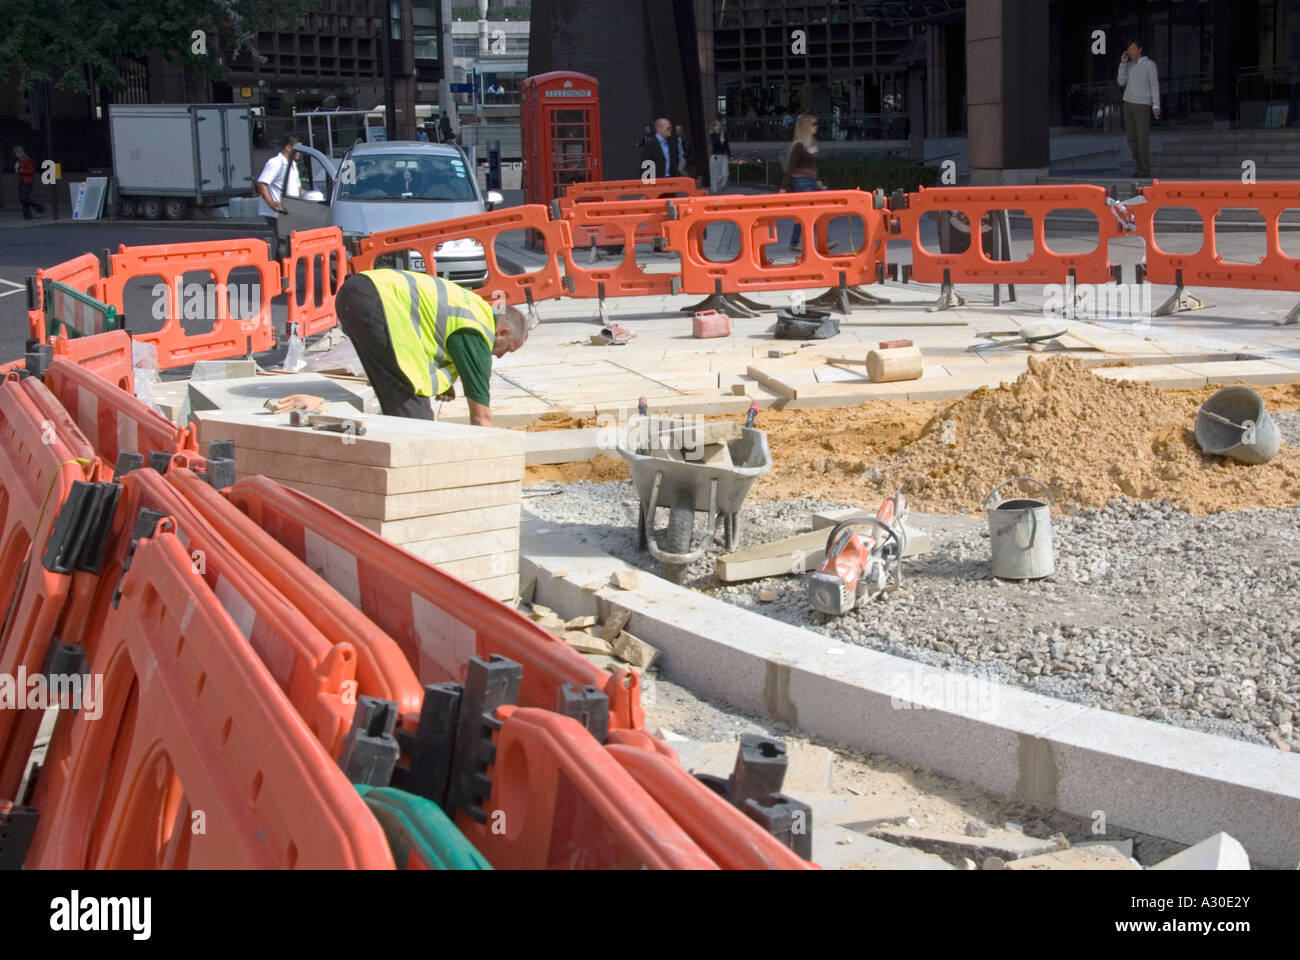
(1007, 98)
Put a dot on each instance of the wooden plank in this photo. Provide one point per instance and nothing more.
(802, 553)
(387, 481)
(459, 523)
(388, 441)
(405, 506)
(767, 380)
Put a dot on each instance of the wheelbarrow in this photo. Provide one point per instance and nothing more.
(687, 482)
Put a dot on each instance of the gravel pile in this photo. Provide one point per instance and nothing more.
(1152, 612)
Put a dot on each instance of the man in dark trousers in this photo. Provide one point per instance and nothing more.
(1141, 82)
(662, 149)
(416, 334)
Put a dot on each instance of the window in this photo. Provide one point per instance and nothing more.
(398, 176)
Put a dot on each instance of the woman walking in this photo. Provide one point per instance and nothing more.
(801, 166)
(26, 171)
(719, 158)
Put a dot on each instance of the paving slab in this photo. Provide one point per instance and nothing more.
(1162, 375)
(387, 442)
(250, 393)
(403, 506)
(566, 446)
(838, 848)
(1006, 844)
(1219, 852)
(1076, 858)
(383, 481)
(1254, 372)
(465, 519)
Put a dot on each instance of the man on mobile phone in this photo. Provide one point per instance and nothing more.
(1141, 82)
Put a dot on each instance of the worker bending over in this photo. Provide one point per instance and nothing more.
(415, 334)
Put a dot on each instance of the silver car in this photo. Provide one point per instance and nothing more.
(381, 186)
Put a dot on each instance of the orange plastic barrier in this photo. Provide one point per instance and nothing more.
(543, 284)
(114, 420)
(318, 676)
(81, 273)
(615, 222)
(438, 621)
(974, 265)
(37, 473)
(198, 760)
(324, 263)
(168, 263)
(65, 428)
(731, 839)
(579, 195)
(106, 354)
(755, 217)
(604, 190)
(559, 800)
(382, 670)
(1205, 268)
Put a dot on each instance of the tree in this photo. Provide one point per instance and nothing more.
(55, 41)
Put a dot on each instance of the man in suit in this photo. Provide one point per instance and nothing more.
(662, 149)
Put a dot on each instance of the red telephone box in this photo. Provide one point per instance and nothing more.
(560, 129)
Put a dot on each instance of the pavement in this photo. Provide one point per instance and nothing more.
(560, 372)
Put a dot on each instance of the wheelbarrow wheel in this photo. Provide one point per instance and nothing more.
(681, 521)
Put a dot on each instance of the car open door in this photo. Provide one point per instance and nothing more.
(317, 173)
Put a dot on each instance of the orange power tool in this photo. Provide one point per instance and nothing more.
(858, 566)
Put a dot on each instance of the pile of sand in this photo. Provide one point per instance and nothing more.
(1089, 439)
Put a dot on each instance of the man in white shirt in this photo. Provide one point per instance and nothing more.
(271, 187)
(1141, 82)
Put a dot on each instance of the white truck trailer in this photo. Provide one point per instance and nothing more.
(171, 157)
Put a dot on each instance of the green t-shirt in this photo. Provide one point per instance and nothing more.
(473, 359)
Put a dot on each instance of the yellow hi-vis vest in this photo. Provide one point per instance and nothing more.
(422, 312)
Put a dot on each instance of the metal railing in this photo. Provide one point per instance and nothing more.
(1098, 104)
(1267, 96)
(871, 126)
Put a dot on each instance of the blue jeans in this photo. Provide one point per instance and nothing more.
(801, 185)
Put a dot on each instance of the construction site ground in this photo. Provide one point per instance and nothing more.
(1174, 593)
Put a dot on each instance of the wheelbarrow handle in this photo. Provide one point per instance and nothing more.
(753, 412)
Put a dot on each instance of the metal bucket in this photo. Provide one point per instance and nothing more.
(1020, 534)
(1233, 423)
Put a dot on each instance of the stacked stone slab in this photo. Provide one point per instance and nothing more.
(448, 493)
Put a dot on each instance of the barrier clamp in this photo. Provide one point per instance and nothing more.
(146, 521)
(490, 682)
(785, 818)
(127, 460)
(370, 750)
(17, 827)
(432, 744)
(82, 529)
(589, 706)
(39, 358)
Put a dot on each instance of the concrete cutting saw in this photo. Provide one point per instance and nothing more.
(859, 565)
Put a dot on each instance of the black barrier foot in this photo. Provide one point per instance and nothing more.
(433, 743)
(589, 706)
(723, 303)
(746, 302)
(948, 298)
(790, 821)
(862, 298)
(835, 299)
(760, 769)
(1180, 302)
